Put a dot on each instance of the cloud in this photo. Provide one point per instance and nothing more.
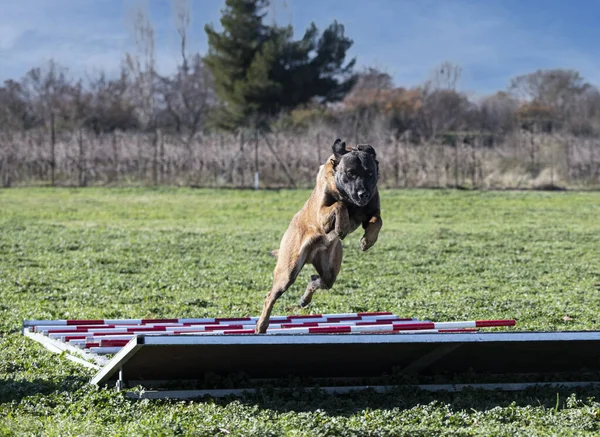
(490, 42)
(34, 31)
(89, 36)
(9, 35)
(405, 38)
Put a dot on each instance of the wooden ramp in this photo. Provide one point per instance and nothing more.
(344, 351)
(150, 358)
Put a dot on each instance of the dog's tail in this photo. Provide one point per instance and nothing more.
(275, 253)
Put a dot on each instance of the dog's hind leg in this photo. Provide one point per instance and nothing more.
(327, 263)
(290, 260)
(282, 280)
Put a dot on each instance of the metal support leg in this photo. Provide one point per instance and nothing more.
(120, 382)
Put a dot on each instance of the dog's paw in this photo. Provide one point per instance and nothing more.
(365, 244)
(261, 327)
(304, 302)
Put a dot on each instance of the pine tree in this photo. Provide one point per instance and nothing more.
(231, 54)
(260, 70)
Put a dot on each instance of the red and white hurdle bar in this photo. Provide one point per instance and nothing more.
(67, 332)
(216, 320)
(54, 328)
(107, 336)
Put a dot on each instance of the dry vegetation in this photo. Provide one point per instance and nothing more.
(145, 128)
(521, 160)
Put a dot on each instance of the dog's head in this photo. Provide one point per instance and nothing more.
(356, 172)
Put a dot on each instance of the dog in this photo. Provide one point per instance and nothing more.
(345, 197)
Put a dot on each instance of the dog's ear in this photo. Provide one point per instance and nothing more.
(371, 151)
(367, 149)
(339, 149)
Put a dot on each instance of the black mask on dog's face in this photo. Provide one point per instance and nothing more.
(356, 172)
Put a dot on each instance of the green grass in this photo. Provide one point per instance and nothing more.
(442, 255)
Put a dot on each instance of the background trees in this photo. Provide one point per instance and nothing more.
(190, 125)
(260, 70)
(256, 74)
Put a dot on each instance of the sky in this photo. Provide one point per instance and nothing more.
(492, 40)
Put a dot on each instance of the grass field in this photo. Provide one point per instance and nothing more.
(442, 255)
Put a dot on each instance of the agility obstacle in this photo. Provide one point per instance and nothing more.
(350, 346)
(107, 336)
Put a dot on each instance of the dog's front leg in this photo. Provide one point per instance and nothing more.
(335, 218)
(372, 227)
(327, 218)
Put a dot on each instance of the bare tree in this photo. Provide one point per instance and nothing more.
(445, 76)
(443, 108)
(112, 106)
(372, 79)
(558, 90)
(498, 113)
(142, 66)
(187, 95)
(47, 90)
(584, 117)
(78, 112)
(182, 19)
(14, 118)
(368, 99)
(14, 113)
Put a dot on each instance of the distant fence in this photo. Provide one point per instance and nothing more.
(79, 158)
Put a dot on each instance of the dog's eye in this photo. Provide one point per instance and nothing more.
(370, 174)
(350, 174)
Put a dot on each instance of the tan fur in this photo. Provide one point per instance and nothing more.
(314, 236)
